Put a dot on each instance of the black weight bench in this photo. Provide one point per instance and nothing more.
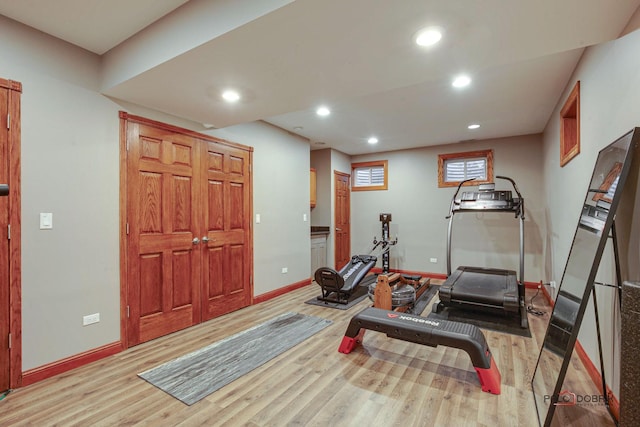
(345, 285)
(421, 330)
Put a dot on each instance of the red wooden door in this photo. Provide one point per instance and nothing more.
(163, 261)
(4, 246)
(10, 240)
(226, 281)
(342, 219)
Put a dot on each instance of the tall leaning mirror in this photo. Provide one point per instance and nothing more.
(594, 225)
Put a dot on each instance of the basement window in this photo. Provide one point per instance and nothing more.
(570, 126)
(456, 167)
(367, 176)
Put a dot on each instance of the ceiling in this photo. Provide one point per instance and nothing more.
(357, 57)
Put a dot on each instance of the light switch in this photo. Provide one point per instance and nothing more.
(257, 218)
(46, 220)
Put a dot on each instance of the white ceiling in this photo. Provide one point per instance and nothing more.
(95, 25)
(356, 56)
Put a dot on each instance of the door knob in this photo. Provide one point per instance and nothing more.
(205, 239)
(195, 240)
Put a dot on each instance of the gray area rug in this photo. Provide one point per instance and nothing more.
(194, 376)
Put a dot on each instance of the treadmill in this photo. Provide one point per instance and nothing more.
(480, 288)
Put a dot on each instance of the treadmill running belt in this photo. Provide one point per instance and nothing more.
(488, 287)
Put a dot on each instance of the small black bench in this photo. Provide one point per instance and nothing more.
(421, 330)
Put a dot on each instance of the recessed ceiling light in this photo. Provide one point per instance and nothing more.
(428, 36)
(230, 95)
(461, 81)
(473, 126)
(318, 143)
(323, 111)
(298, 128)
(372, 140)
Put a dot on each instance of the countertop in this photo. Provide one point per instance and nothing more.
(317, 230)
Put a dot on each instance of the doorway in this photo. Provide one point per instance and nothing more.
(187, 228)
(342, 219)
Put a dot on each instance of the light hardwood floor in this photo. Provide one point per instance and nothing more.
(384, 382)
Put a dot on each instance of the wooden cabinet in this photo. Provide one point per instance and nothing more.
(312, 183)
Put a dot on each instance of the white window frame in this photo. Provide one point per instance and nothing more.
(465, 157)
(371, 167)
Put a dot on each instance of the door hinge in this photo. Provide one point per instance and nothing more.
(127, 228)
(9, 341)
(127, 312)
(9, 121)
(8, 231)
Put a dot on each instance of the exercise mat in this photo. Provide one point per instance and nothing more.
(194, 376)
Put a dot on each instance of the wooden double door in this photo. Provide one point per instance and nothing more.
(188, 229)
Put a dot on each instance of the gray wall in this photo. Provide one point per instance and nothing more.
(419, 207)
(70, 167)
(609, 107)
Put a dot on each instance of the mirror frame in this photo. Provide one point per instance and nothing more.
(634, 137)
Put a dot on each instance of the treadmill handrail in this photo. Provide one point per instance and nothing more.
(517, 207)
(453, 199)
(520, 198)
(515, 187)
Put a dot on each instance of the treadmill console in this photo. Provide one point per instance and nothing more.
(593, 218)
(486, 199)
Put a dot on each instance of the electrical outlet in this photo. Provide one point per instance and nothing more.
(285, 270)
(552, 284)
(90, 319)
(433, 260)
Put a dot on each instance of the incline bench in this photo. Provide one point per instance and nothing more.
(343, 286)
